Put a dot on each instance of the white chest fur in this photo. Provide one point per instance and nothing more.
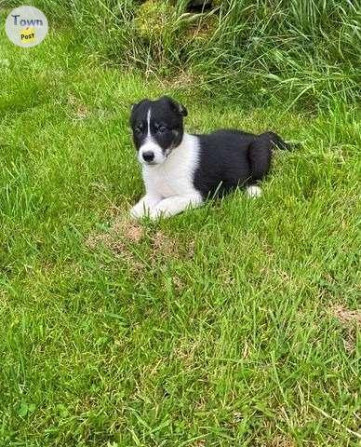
(174, 177)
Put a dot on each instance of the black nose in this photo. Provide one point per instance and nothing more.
(148, 156)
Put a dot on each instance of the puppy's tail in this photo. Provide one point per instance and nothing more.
(280, 144)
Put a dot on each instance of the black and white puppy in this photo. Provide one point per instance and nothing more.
(181, 170)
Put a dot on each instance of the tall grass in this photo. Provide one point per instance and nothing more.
(300, 50)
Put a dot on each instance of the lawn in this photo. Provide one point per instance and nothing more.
(236, 324)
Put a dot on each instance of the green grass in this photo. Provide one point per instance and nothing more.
(214, 328)
(304, 51)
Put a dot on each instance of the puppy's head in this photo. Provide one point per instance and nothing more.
(157, 128)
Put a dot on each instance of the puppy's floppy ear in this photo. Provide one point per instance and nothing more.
(133, 109)
(183, 111)
(176, 105)
(135, 105)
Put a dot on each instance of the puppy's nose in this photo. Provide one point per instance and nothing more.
(148, 156)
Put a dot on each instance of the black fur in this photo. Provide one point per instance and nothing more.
(232, 158)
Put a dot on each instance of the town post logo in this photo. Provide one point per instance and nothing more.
(26, 26)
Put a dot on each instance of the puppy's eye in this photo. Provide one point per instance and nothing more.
(161, 129)
(138, 129)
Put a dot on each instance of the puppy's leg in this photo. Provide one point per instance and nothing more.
(145, 206)
(259, 156)
(176, 204)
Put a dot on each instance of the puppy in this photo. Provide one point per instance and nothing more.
(182, 170)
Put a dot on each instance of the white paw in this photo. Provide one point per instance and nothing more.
(138, 211)
(134, 213)
(156, 214)
(253, 191)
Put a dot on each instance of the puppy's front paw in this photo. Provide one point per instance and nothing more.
(156, 213)
(138, 211)
(144, 207)
(134, 213)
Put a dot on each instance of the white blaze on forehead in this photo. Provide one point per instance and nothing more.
(148, 123)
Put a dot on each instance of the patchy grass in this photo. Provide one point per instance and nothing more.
(214, 328)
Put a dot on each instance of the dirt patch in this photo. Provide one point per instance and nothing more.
(178, 283)
(350, 320)
(164, 244)
(80, 110)
(349, 340)
(106, 240)
(281, 441)
(124, 234)
(128, 229)
(346, 316)
(118, 239)
(200, 443)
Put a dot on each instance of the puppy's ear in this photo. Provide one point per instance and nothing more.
(135, 105)
(182, 110)
(176, 105)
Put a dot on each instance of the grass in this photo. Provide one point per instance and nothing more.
(304, 51)
(233, 324)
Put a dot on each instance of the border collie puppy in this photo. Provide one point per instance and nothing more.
(182, 170)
